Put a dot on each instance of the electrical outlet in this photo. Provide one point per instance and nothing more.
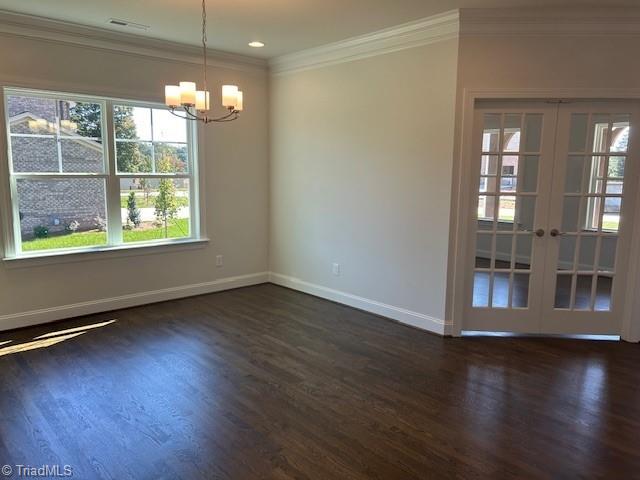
(219, 260)
(336, 269)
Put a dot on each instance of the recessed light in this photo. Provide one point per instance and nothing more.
(256, 44)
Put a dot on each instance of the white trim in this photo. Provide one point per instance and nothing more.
(57, 31)
(428, 30)
(45, 315)
(594, 21)
(82, 254)
(402, 315)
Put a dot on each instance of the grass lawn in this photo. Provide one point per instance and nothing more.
(177, 229)
(150, 202)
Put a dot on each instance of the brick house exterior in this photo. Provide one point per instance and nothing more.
(54, 203)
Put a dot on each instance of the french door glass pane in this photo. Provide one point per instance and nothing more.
(584, 286)
(603, 295)
(520, 294)
(578, 132)
(524, 245)
(563, 291)
(500, 298)
(481, 289)
(528, 182)
(533, 132)
(587, 255)
(575, 174)
(608, 250)
(484, 248)
(491, 133)
(566, 255)
(504, 244)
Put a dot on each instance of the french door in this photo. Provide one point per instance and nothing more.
(552, 216)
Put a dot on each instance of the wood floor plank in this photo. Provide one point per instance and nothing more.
(264, 382)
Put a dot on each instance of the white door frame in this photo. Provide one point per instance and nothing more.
(461, 199)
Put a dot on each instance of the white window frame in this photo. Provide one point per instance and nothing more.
(9, 208)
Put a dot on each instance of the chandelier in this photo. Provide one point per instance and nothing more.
(186, 101)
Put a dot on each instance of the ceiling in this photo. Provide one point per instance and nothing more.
(285, 26)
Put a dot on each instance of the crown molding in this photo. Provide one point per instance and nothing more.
(56, 31)
(409, 35)
(584, 21)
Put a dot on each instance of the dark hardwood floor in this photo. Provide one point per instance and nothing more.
(265, 382)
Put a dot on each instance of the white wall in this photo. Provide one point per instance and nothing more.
(361, 159)
(235, 183)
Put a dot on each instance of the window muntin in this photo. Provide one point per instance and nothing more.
(74, 161)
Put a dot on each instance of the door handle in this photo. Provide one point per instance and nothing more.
(539, 232)
(556, 233)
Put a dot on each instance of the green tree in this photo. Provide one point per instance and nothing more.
(131, 157)
(166, 202)
(88, 116)
(133, 212)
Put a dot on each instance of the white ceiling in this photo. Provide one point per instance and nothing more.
(285, 26)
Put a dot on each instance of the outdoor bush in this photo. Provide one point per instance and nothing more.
(100, 223)
(72, 226)
(40, 231)
(133, 212)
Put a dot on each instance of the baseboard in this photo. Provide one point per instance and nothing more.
(402, 315)
(45, 315)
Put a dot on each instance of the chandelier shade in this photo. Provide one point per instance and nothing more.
(186, 101)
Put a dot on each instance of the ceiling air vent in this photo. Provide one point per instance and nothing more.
(127, 24)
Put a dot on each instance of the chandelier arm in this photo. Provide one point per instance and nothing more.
(189, 115)
(222, 119)
(230, 117)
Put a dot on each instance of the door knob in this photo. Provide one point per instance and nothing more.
(556, 233)
(539, 232)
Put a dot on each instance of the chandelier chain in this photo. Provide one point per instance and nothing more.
(189, 110)
(204, 41)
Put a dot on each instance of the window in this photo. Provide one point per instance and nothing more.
(92, 173)
(606, 176)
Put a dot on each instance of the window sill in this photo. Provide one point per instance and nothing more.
(103, 253)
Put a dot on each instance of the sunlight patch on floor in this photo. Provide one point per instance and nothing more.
(84, 328)
(51, 338)
(24, 347)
